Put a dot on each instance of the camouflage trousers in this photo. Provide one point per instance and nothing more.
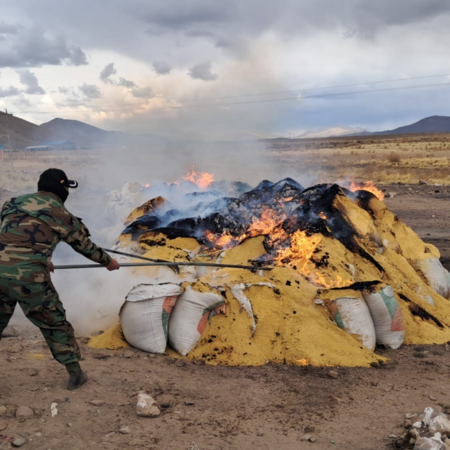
(41, 305)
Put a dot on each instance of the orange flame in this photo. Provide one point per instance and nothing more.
(322, 215)
(301, 249)
(369, 186)
(201, 179)
(268, 221)
(302, 362)
(225, 240)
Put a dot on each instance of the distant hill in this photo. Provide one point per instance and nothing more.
(82, 134)
(18, 133)
(433, 124)
(332, 132)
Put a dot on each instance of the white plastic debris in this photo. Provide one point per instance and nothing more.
(434, 273)
(433, 443)
(54, 409)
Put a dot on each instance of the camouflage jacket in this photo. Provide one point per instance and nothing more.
(31, 227)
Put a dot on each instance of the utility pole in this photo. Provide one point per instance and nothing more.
(9, 139)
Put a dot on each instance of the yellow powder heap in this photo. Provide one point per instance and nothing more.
(111, 339)
(279, 316)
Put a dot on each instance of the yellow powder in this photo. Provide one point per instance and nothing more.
(290, 327)
(249, 249)
(146, 208)
(151, 239)
(111, 339)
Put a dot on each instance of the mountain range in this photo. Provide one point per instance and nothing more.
(18, 133)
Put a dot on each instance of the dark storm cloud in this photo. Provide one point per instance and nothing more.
(161, 67)
(144, 92)
(90, 91)
(126, 83)
(32, 47)
(107, 72)
(6, 28)
(287, 17)
(30, 80)
(9, 92)
(203, 72)
(124, 29)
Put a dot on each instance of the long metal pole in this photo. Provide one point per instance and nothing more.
(95, 266)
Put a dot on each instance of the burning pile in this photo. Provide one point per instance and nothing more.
(347, 275)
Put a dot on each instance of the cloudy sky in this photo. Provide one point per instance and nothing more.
(204, 69)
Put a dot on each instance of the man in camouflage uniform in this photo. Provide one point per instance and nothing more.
(31, 227)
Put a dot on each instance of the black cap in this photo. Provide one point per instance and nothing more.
(56, 181)
(59, 176)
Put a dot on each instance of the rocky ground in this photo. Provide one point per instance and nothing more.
(204, 407)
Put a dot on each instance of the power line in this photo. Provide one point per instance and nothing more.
(209, 105)
(330, 87)
(102, 107)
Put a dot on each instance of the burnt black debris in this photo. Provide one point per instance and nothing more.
(311, 210)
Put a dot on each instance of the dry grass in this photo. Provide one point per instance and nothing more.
(383, 159)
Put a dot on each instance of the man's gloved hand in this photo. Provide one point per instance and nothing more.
(51, 267)
(113, 265)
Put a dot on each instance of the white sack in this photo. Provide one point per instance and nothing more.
(190, 317)
(387, 317)
(352, 315)
(434, 274)
(145, 315)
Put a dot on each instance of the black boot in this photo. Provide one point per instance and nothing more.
(76, 376)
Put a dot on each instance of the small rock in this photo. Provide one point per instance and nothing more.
(97, 402)
(165, 405)
(432, 398)
(38, 434)
(14, 348)
(128, 354)
(2, 410)
(180, 363)
(333, 374)
(125, 430)
(407, 423)
(335, 399)
(260, 434)
(23, 412)
(235, 433)
(3, 426)
(69, 424)
(306, 437)
(410, 416)
(308, 429)
(188, 403)
(147, 406)
(312, 439)
(42, 420)
(18, 441)
(32, 372)
(109, 435)
(199, 362)
(374, 383)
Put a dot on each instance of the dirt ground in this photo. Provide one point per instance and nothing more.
(211, 408)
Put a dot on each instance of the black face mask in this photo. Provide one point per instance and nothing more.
(56, 182)
(55, 187)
